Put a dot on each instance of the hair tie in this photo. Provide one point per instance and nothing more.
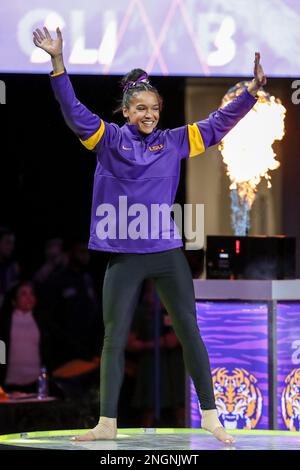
(142, 79)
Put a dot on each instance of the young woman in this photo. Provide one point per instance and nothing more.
(138, 167)
(24, 330)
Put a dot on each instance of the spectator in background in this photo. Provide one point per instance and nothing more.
(23, 328)
(55, 260)
(69, 294)
(9, 268)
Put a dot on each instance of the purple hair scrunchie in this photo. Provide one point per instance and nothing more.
(142, 79)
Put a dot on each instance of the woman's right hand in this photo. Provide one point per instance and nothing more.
(45, 41)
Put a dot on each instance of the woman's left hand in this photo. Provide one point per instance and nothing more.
(259, 75)
(260, 78)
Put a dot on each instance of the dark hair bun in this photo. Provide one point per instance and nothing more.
(132, 76)
(135, 81)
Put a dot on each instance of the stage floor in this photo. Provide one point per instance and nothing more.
(155, 439)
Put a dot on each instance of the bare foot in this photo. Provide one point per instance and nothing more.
(222, 435)
(88, 436)
(105, 429)
(211, 423)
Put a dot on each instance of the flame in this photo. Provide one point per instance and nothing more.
(247, 149)
(248, 154)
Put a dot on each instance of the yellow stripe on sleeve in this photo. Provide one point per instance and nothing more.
(56, 74)
(195, 140)
(92, 141)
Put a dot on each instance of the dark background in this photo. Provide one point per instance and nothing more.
(46, 174)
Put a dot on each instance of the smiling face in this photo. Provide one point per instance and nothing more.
(143, 111)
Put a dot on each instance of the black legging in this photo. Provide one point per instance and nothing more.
(123, 280)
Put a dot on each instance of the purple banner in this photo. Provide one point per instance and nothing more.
(165, 37)
(288, 365)
(236, 338)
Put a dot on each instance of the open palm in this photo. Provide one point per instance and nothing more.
(45, 41)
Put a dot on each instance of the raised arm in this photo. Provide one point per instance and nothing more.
(220, 122)
(194, 139)
(86, 125)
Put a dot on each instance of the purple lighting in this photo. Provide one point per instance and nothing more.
(236, 337)
(166, 37)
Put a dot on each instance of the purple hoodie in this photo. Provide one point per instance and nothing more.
(136, 176)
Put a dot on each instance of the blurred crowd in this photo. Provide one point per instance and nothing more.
(54, 320)
(51, 320)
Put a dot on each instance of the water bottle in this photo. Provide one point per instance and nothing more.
(43, 383)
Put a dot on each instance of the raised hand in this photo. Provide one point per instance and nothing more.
(45, 41)
(259, 75)
(259, 79)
